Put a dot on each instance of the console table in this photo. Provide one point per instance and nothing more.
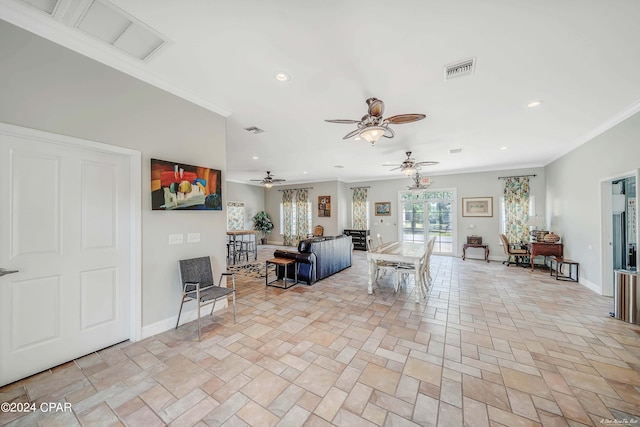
(544, 249)
(469, 245)
(359, 238)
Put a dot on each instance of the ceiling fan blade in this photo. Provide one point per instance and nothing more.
(394, 169)
(343, 121)
(389, 133)
(376, 107)
(351, 134)
(278, 180)
(405, 118)
(257, 180)
(427, 163)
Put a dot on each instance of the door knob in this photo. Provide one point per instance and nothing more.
(4, 271)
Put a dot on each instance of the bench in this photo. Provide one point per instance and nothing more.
(556, 264)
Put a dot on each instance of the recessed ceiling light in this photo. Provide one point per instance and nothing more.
(281, 76)
(255, 157)
(534, 104)
(504, 148)
(304, 172)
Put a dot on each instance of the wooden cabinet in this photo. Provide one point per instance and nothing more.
(359, 238)
(544, 249)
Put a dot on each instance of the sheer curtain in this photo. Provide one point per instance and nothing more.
(516, 208)
(287, 220)
(360, 208)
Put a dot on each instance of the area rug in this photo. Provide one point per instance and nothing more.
(255, 270)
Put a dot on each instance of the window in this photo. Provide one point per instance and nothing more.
(294, 219)
(428, 214)
(503, 221)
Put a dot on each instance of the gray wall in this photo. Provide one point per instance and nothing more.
(482, 184)
(466, 185)
(50, 88)
(575, 197)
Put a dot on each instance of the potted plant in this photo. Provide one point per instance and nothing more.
(262, 223)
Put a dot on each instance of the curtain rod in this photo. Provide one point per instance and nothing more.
(303, 188)
(515, 176)
(353, 188)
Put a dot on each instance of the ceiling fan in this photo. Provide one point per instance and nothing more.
(269, 180)
(409, 166)
(373, 126)
(419, 182)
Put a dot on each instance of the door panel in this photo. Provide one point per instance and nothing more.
(67, 209)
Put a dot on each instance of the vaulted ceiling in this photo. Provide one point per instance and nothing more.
(580, 58)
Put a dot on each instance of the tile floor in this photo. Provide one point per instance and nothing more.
(490, 346)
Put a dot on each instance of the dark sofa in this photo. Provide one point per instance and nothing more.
(318, 257)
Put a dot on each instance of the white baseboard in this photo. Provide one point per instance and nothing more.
(185, 317)
(590, 285)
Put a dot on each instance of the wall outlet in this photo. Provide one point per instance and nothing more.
(193, 237)
(176, 239)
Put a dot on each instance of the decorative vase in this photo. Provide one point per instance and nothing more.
(551, 238)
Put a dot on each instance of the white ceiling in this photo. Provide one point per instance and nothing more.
(580, 57)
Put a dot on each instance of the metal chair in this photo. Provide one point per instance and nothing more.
(196, 276)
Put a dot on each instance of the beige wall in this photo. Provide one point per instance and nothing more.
(50, 88)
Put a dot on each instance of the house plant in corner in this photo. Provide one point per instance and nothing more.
(262, 223)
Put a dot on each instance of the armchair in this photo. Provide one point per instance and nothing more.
(514, 251)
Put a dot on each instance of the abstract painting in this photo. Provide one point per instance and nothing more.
(178, 186)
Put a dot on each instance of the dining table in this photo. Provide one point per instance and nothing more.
(398, 252)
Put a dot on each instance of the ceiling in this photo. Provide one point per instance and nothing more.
(579, 57)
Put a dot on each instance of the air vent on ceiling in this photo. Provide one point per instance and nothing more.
(455, 151)
(254, 129)
(459, 69)
(114, 26)
(47, 6)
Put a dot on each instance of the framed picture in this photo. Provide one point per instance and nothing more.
(324, 206)
(178, 186)
(477, 206)
(383, 208)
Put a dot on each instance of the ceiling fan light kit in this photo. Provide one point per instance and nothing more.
(372, 134)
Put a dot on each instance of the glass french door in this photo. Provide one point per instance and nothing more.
(428, 214)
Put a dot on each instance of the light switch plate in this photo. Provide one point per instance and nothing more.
(193, 237)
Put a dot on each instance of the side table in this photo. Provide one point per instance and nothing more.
(469, 245)
(283, 262)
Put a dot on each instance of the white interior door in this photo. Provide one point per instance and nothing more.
(65, 221)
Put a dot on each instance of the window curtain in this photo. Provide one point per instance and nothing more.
(516, 208)
(302, 214)
(360, 208)
(287, 204)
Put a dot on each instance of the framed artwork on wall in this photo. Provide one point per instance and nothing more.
(477, 206)
(179, 186)
(324, 206)
(383, 208)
